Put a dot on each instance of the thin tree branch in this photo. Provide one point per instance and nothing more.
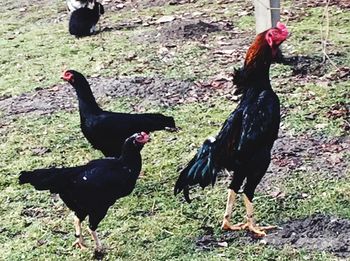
(325, 35)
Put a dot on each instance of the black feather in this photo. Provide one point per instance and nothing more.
(107, 131)
(245, 140)
(200, 170)
(89, 190)
(83, 20)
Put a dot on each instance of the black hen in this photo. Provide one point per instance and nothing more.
(245, 140)
(83, 21)
(107, 131)
(91, 189)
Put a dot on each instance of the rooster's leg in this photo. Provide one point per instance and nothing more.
(231, 200)
(250, 224)
(79, 242)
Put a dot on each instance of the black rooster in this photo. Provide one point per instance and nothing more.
(107, 131)
(83, 21)
(244, 142)
(91, 189)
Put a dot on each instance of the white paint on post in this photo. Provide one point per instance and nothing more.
(267, 14)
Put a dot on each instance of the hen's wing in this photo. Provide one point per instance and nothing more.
(96, 174)
(126, 123)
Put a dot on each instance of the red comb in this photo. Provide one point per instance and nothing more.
(145, 135)
(283, 28)
(67, 76)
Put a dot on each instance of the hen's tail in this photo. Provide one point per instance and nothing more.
(52, 179)
(200, 170)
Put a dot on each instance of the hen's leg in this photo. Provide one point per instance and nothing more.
(79, 242)
(98, 244)
(94, 220)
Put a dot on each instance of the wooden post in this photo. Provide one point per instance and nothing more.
(267, 14)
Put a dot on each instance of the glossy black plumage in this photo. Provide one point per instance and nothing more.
(107, 131)
(245, 140)
(89, 190)
(82, 21)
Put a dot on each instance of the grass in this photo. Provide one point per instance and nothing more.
(152, 224)
(309, 105)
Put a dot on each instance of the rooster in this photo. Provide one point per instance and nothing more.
(107, 131)
(90, 190)
(245, 140)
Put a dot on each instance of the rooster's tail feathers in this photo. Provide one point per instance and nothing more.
(200, 170)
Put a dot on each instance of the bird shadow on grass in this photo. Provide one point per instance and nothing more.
(305, 65)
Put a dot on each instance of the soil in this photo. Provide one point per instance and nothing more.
(138, 4)
(306, 154)
(318, 232)
(345, 4)
(183, 29)
(159, 91)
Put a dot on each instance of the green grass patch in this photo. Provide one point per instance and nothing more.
(152, 224)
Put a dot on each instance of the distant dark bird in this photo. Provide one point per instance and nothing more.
(83, 21)
(76, 4)
(90, 190)
(245, 140)
(106, 131)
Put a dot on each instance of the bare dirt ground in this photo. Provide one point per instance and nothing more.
(163, 92)
(318, 232)
(160, 91)
(305, 154)
(185, 28)
(120, 4)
